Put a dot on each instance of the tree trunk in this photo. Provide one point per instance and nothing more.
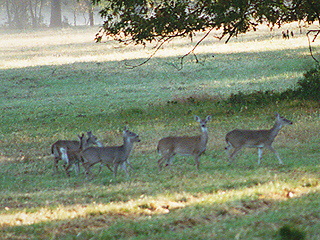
(55, 20)
(33, 15)
(91, 21)
(90, 11)
(9, 13)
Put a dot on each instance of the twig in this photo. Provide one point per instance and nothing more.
(314, 38)
(151, 56)
(192, 50)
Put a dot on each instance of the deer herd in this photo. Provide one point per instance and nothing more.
(89, 151)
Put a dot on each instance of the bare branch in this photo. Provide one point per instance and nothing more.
(192, 50)
(317, 32)
(151, 56)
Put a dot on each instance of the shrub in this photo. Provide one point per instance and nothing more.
(288, 232)
(309, 86)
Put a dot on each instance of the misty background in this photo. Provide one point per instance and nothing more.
(28, 14)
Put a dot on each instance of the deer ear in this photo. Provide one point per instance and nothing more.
(197, 118)
(208, 118)
(82, 136)
(277, 114)
(89, 133)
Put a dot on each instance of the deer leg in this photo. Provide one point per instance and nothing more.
(169, 160)
(115, 169)
(87, 167)
(129, 164)
(66, 163)
(231, 156)
(67, 169)
(56, 161)
(100, 167)
(276, 153)
(196, 159)
(160, 162)
(260, 151)
(77, 167)
(124, 167)
(228, 149)
(108, 166)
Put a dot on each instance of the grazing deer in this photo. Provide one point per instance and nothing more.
(238, 139)
(72, 157)
(69, 145)
(110, 155)
(191, 146)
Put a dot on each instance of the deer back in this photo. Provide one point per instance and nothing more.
(94, 155)
(249, 138)
(183, 145)
(66, 144)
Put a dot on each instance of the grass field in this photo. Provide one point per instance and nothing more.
(57, 84)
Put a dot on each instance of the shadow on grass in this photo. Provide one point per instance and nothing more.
(200, 220)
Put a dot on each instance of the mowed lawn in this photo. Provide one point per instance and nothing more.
(56, 84)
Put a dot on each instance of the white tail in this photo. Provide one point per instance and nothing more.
(193, 146)
(110, 156)
(238, 139)
(72, 157)
(70, 145)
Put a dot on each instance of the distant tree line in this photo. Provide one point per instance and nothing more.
(21, 14)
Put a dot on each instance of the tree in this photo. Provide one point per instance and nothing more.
(23, 13)
(55, 19)
(90, 12)
(143, 21)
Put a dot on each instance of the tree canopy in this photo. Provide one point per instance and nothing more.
(143, 21)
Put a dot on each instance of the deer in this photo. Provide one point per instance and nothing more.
(111, 156)
(69, 145)
(72, 157)
(238, 139)
(194, 146)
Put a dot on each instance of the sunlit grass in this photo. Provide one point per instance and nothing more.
(274, 190)
(57, 84)
(69, 46)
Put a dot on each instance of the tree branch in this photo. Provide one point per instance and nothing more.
(314, 38)
(192, 50)
(151, 56)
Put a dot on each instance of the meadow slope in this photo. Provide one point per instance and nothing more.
(55, 84)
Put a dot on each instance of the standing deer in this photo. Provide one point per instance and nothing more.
(238, 139)
(72, 157)
(110, 155)
(191, 146)
(69, 145)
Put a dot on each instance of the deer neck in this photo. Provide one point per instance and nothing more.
(127, 146)
(275, 129)
(204, 136)
(83, 144)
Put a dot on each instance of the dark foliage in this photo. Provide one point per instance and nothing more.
(142, 21)
(309, 86)
(291, 233)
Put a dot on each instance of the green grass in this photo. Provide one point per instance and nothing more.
(55, 85)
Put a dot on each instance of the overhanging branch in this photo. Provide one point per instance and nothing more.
(151, 56)
(317, 32)
(192, 50)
